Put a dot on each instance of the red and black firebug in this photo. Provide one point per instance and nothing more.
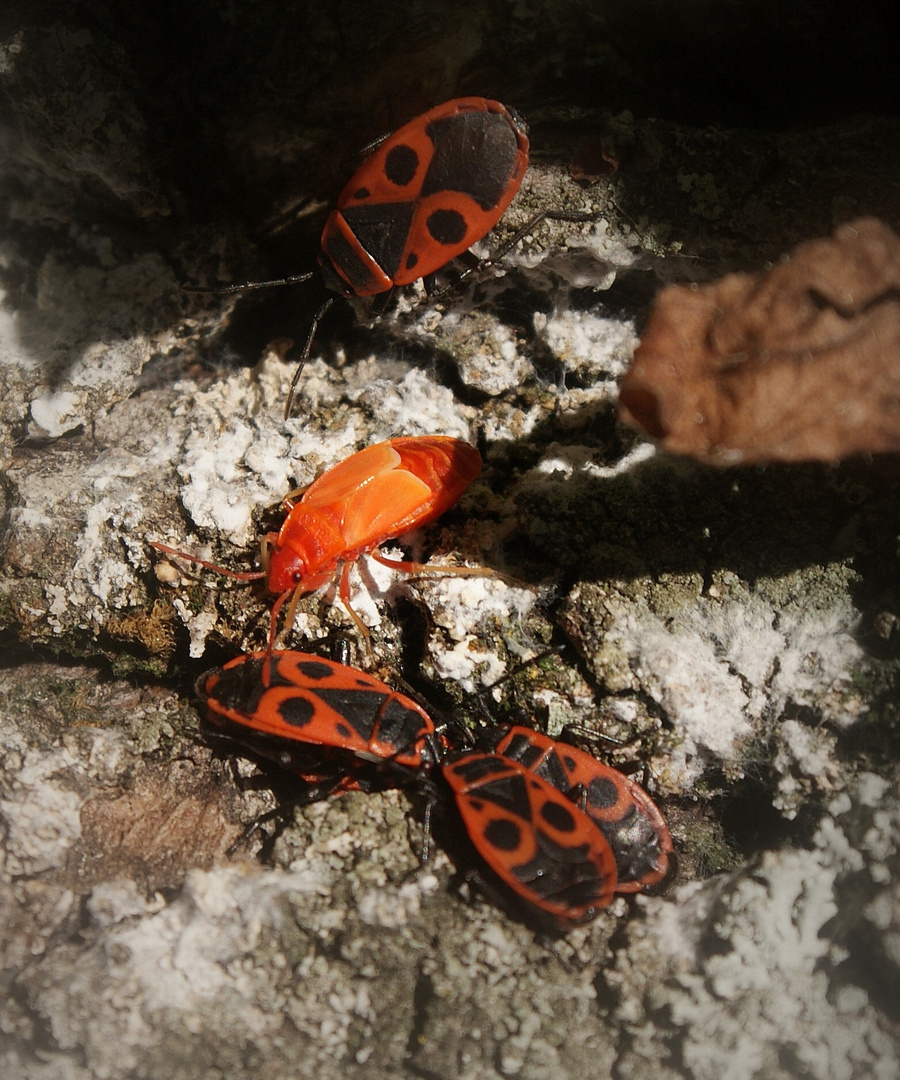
(619, 807)
(320, 719)
(428, 192)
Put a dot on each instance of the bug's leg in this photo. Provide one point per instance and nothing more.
(520, 234)
(382, 303)
(313, 793)
(235, 575)
(425, 850)
(266, 544)
(304, 356)
(542, 215)
(429, 283)
(291, 612)
(273, 628)
(291, 499)
(407, 567)
(344, 593)
(255, 826)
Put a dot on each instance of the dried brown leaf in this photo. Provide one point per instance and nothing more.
(799, 364)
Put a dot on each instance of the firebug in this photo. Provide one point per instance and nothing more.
(424, 196)
(550, 857)
(431, 190)
(327, 722)
(374, 495)
(619, 807)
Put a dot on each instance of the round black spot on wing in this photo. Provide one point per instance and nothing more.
(314, 670)
(297, 711)
(446, 226)
(602, 793)
(503, 834)
(474, 153)
(558, 816)
(401, 165)
(411, 260)
(362, 193)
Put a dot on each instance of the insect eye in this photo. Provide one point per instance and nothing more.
(297, 576)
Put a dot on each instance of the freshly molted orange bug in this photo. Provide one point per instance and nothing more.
(375, 495)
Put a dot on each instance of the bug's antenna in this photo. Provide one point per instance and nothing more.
(305, 354)
(249, 286)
